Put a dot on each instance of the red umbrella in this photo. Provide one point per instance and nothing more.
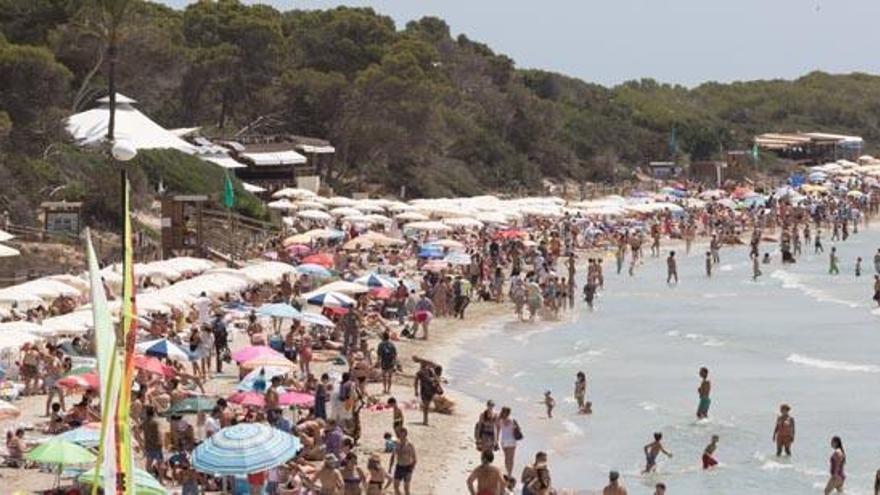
(82, 382)
(511, 234)
(296, 399)
(254, 399)
(152, 365)
(381, 293)
(322, 259)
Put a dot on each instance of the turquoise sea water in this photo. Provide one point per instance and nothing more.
(797, 336)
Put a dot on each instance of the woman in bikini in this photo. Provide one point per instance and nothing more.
(353, 476)
(837, 461)
(379, 478)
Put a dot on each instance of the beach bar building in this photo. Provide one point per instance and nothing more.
(812, 147)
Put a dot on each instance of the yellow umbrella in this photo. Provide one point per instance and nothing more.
(297, 239)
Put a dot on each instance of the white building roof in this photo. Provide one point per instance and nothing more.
(275, 158)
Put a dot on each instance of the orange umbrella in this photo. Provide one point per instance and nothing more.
(322, 259)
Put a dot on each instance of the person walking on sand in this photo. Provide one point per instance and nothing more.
(403, 462)
(703, 391)
(387, 360)
(614, 487)
(509, 433)
(817, 242)
(832, 262)
(427, 385)
(859, 266)
(756, 268)
(487, 477)
(783, 433)
(671, 268)
(837, 462)
(652, 450)
(709, 453)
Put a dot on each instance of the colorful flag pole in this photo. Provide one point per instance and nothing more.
(125, 476)
(108, 371)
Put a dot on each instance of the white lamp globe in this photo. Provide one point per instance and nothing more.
(123, 150)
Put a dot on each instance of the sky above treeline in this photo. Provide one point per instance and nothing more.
(677, 41)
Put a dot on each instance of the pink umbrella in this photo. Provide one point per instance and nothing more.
(255, 351)
(298, 249)
(254, 399)
(296, 399)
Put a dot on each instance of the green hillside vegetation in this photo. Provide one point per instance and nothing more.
(404, 105)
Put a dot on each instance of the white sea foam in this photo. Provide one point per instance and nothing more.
(572, 429)
(577, 359)
(648, 406)
(832, 365)
(795, 281)
(726, 268)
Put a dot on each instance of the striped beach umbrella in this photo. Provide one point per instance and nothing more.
(245, 448)
(278, 310)
(376, 280)
(316, 319)
(164, 348)
(87, 435)
(332, 300)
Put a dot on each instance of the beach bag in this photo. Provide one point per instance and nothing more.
(517, 432)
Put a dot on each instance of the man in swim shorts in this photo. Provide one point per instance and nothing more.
(709, 453)
(405, 456)
(652, 450)
(704, 389)
(488, 478)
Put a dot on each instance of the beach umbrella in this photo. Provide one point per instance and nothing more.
(317, 215)
(448, 243)
(313, 270)
(855, 194)
(345, 211)
(144, 482)
(8, 411)
(57, 451)
(299, 399)
(435, 266)
(5, 236)
(332, 299)
(297, 239)
(381, 293)
(376, 280)
(458, 259)
(269, 362)
(340, 201)
(341, 286)
(8, 252)
(245, 448)
(81, 382)
(412, 216)
(320, 259)
(511, 234)
(191, 405)
(465, 222)
(316, 319)
(247, 383)
(278, 310)
(293, 192)
(252, 399)
(428, 226)
(431, 251)
(298, 249)
(331, 234)
(164, 349)
(310, 205)
(152, 365)
(357, 244)
(87, 435)
(254, 352)
(281, 204)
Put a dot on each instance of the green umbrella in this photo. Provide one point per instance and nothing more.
(144, 483)
(60, 452)
(191, 405)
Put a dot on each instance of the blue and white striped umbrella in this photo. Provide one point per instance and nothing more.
(316, 319)
(88, 435)
(245, 448)
(332, 299)
(376, 280)
(278, 310)
(313, 270)
(164, 348)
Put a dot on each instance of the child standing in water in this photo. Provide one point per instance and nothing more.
(549, 403)
(709, 453)
(703, 391)
(652, 450)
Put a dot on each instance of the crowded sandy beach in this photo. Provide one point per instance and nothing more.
(338, 337)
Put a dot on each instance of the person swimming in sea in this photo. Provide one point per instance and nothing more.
(704, 390)
(652, 450)
(709, 453)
